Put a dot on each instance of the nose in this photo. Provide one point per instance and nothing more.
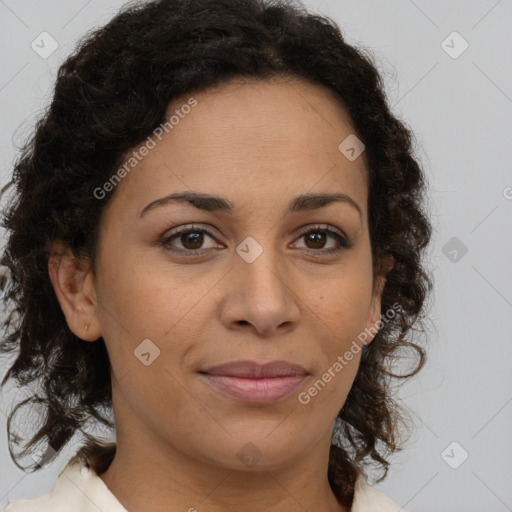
(261, 296)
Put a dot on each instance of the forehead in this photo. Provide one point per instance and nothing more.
(245, 139)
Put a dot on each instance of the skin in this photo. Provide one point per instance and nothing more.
(258, 144)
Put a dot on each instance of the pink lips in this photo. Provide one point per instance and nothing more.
(255, 383)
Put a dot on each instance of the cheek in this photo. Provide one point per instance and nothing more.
(148, 326)
(344, 303)
(145, 298)
(156, 396)
(142, 299)
(341, 313)
(319, 403)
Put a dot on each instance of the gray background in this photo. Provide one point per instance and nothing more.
(460, 110)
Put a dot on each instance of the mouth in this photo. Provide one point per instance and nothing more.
(250, 382)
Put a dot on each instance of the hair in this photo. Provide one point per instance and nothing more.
(110, 94)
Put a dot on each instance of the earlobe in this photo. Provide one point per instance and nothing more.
(73, 284)
(374, 316)
(374, 322)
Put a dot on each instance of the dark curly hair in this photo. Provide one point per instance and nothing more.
(110, 95)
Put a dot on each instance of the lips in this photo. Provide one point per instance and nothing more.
(250, 382)
(253, 370)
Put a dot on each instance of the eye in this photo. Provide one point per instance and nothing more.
(190, 237)
(315, 240)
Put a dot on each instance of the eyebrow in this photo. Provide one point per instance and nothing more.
(210, 203)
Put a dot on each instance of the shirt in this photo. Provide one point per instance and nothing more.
(80, 489)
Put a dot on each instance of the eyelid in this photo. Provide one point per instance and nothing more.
(340, 236)
(168, 235)
(320, 226)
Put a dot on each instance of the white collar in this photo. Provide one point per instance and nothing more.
(80, 488)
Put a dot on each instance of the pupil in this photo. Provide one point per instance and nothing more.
(196, 240)
(317, 238)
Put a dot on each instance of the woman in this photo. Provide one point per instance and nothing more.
(216, 234)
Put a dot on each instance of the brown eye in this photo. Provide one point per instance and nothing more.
(194, 238)
(316, 239)
(191, 240)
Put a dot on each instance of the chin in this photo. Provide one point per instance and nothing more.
(253, 453)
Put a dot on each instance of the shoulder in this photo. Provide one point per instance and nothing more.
(41, 503)
(369, 499)
(77, 488)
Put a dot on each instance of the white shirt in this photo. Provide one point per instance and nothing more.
(80, 489)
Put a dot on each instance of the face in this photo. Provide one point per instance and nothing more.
(255, 277)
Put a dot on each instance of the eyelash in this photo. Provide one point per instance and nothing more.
(164, 241)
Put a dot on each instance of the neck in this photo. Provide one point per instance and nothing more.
(147, 475)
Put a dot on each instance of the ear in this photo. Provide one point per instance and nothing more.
(386, 263)
(73, 283)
